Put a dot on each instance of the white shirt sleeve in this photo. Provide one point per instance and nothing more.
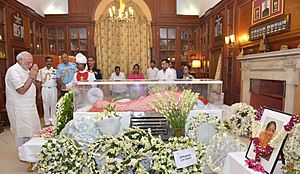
(15, 78)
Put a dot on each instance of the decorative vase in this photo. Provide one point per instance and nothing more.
(178, 132)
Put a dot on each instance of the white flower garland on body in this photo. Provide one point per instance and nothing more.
(203, 117)
(239, 118)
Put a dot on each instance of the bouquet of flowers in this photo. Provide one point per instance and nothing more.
(176, 111)
(64, 112)
(239, 118)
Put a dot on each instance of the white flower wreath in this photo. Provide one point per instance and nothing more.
(239, 118)
(203, 117)
(130, 152)
(164, 162)
(60, 156)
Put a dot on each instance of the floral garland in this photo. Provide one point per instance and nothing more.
(274, 143)
(239, 118)
(164, 162)
(46, 132)
(130, 152)
(292, 151)
(203, 117)
(175, 112)
(60, 156)
(64, 112)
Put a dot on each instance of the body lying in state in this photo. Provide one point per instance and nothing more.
(140, 105)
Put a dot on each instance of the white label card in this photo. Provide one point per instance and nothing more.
(185, 158)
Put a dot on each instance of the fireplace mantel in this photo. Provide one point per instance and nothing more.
(278, 65)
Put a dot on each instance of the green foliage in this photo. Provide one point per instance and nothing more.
(64, 113)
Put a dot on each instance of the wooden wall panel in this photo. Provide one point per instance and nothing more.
(167, 7)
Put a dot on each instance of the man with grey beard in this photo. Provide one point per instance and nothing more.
(20, 98)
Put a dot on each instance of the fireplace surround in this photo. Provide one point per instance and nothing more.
(273, 66)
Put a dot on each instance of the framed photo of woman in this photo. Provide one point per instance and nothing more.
(271, 123)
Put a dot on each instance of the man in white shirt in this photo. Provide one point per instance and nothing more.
(152, 71)
(82, 74)
(119, 89)
(165, 73)
(47, 79)
(20, 98)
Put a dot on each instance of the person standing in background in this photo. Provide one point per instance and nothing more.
(180, 72)
(92, 68)
(119, 89)
(152, 70)
(82, 74)
(21, 98)
(186, 72)
(47, 80)
(165, 73)
(136, 89)
(65, 73)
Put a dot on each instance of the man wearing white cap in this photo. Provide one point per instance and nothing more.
(20, 98)
(82, 74)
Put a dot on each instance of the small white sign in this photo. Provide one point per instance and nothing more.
(185, 158)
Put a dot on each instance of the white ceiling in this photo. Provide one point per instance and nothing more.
(195, 7)
(43, 7)
(184, 7)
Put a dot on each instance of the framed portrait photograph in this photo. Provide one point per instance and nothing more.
(275, 6)
(263, 10)
(257, 13)
(271, 123)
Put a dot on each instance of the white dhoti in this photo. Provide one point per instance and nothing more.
(49, 96)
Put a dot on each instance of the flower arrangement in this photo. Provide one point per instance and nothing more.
(175, 111)
(60, 156)
(108, 113)
(239, 118)
(274, 143)
(64, 112)
(130, 152)
(46, 132)
(164, 162)
(292, 151)
(203, 117)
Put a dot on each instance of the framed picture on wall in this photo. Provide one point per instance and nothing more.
(263, 10)
(257, 13)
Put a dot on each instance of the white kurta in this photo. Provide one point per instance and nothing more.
(21, 109)
(152, 73)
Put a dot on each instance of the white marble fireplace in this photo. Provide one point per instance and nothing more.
(278, 65)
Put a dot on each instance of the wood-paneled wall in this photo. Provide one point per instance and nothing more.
(239, 12)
